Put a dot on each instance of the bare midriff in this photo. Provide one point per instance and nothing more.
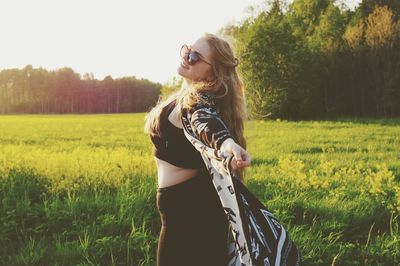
(169, 174)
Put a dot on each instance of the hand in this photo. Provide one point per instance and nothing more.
(241, 156)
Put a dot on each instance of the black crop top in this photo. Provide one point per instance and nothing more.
(173, 146)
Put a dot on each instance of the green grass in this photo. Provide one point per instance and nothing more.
(80, 189)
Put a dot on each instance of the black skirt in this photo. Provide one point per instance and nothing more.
(194, 227)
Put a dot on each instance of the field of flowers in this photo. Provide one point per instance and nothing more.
(80, 189)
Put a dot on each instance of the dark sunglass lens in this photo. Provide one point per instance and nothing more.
(193, 57)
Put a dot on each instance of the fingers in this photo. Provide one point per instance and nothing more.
(238, 164)
(246, 158)
(241, 159)
(242, 164)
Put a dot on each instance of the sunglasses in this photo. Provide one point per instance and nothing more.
(192, 56)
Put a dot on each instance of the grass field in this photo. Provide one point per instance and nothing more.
(80, 189)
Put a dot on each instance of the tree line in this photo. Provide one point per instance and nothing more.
(305, 60)
(37, 90)
(318, 59)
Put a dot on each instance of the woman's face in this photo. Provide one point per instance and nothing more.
(199, 71)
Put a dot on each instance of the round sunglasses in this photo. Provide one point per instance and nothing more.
(192, 56)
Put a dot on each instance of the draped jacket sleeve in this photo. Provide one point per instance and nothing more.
(255, 236)
(205, 129)
(207, 123)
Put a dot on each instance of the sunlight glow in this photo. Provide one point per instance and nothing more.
(117, 38)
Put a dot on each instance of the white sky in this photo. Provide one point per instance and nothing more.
(110, 37)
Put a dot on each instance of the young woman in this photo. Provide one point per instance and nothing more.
(194, 225)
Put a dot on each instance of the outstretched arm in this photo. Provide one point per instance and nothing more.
(209, 127)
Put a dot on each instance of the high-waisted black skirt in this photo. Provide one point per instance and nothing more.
(194, 225)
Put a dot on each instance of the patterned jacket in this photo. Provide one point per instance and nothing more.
(255, 235)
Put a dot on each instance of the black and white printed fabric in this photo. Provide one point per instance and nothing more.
(256, 237)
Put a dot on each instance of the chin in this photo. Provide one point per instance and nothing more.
(181, 72)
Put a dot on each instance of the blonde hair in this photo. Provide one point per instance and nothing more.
(227, 90)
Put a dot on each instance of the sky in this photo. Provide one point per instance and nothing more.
(111, 37)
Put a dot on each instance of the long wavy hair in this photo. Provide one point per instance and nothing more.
(227, 90)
